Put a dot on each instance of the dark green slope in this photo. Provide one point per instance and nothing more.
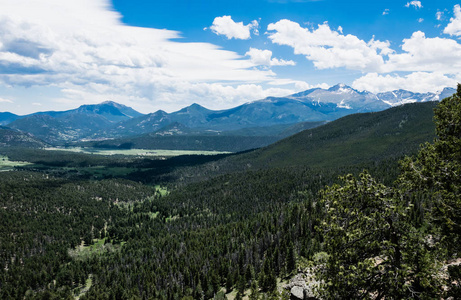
(352, 139)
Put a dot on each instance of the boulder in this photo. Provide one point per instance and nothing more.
(301, 286)
(297, 293)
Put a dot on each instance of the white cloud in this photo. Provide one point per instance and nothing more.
(421, 82)
(233, 30)
(299, 85)
(82, 49)
(386, 12)
(329, 49)
(454, 27)
(420, 20)
(439, 15)
(303, 86)
(3, 100)
(426, 54)
(415, 4)
(264, 58)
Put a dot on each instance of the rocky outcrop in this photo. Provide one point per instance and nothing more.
(302, 286)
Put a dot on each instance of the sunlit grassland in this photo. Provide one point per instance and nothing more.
(137, 152)
(7, 165)
(98, 247)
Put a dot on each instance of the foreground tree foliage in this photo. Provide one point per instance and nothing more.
(436, 171)
(391, 242)
(374, 251)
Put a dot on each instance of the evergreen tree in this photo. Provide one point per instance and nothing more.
(290, 259)
(436, 170)
(254, 290)
(229, 281)
(372, 247)
(436, 173)
(241, 284)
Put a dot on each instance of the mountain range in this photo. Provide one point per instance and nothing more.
(272, 117)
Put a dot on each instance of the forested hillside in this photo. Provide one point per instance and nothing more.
(352, 140)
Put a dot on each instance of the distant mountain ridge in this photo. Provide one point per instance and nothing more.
(7, 117)
(112, 120)
(313, 105)
(56, 127)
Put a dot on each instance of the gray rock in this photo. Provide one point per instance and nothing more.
(297, 293)
(302, 286)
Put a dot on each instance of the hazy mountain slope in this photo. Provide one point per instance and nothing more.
(176, 136)
(14, 138)
(112, 111)
(59, 130)
(60, 127)
(190, 142)
(109, 110)
(7, 117)
(313, 105)
(266, 117)
(52, 130)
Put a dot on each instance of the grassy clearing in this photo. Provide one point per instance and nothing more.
(99, 247)
(137, 152)
(162, 190)
(8, 165)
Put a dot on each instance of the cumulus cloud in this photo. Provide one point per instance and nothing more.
(415, 4)
(426, 54)
(264, 58)
(84, 50)
(454, 27)
(175, 95)
(386, 12)
(327, 48)
(421, 82)
(302, 86)
(233, 30)
(298, 84)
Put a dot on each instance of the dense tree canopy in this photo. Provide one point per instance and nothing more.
(374, 251)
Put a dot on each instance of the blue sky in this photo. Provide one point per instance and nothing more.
(150, 55)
